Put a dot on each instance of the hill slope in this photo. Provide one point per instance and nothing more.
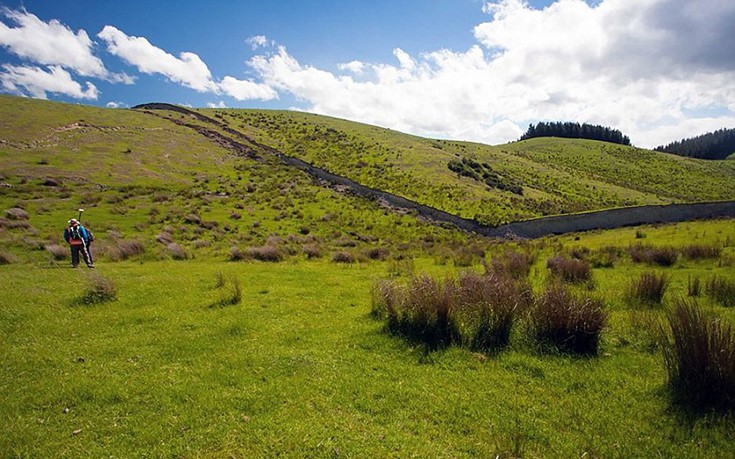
(556, 175)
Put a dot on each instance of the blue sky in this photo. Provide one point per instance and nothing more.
(659, 70)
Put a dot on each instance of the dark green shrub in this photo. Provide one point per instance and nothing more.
(721, 290)
(567, 322)
(699, 353)
(649, 288)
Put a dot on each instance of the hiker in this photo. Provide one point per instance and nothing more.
(78, 238)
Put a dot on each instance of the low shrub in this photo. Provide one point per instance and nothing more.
(649, 288)
(343, 257)
(516, 264)
(176, 252)
(662, 256)
(699, 353)
(312, 251)
(701, 252)
(376, 253)
(100, 290)
(570, 269)
(234, 296)
(488, 307)
(721, 290)
(6, 258)
(606, 257)
(567, 322)
(267, 252)
(57, 252)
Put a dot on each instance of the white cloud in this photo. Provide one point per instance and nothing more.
(245, 90)
(219, 104)
(37, 82)
(258, 41)
(113, 104)
(50, 43)
(188, 69)
(640, 66)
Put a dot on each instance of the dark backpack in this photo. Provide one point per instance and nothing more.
(74, 233)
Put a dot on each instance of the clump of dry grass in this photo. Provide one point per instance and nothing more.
(649, 288)
(570, 269)
(100, 290)
(721, 290)
(699, 352)
(567, 322)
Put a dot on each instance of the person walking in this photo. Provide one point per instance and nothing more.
(77, 237)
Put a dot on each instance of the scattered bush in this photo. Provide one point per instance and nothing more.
(267, 252)
(58, 252)
(662, 256)
(721, 290)
(16, 213)
(488, 307)
(648, 289)
(312, 251)
(376, 253)
(570, 269)
(100, 290)
(701, 252)
(176, 251)
(516, 264)
(343, 257)
(421, 311)
(6, 258)
(699, 353)
(567, 322)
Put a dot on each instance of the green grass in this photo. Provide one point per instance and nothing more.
(299, 368)
(205, 357)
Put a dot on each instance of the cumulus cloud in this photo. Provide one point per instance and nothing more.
(639, 66)
(258, 41)
(37, 82)
(188, 69)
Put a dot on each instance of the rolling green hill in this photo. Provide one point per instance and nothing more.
(556, 175)
(151, 176)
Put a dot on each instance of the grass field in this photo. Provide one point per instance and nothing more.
(181, 344)
(298, 368)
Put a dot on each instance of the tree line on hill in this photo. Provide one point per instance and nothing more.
(571, 130)
(713, 145)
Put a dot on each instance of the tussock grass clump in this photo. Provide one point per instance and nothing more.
(100, 290)
(490, 306)
(234, 294)
(312, 251)
(567, 322)
(699, 353)
(57, 252)
(122, 249)
(6, 258)
(475, 310)
(605, 257)
(176, 252)
(343, 257)
(694, 286)
(721, 290)
(662, 256)
(649, 289)
(701, 252)
(269, 253)
(516, 264)
(570, 269)
(376, 253)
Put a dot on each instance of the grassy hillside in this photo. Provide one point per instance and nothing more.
(556, 175)
(231, 310)
(145, 180)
